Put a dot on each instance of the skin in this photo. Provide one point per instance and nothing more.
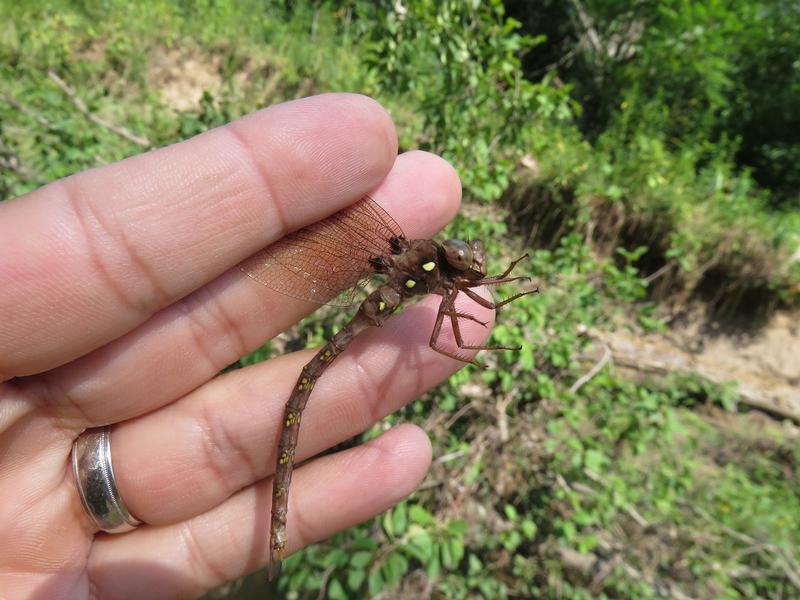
(120, 302)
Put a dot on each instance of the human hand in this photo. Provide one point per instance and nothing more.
(120, 302)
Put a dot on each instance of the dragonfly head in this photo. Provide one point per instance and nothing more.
(466, 256)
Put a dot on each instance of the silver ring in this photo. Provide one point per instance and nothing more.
(94, 476)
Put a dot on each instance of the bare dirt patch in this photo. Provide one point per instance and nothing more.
(182, 75)
(765, 365)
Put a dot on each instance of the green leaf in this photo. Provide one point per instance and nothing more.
(568, 530)
(447, 555)
(512, 540)
(457, 527)
(364, 543)
(375, 582)
(529, 529)
(388, 523)
(400, 518)
(457, 545)
(511, 512)
(361, 559)
(433, 568)
(417, 514)
(336, 590)
(526, 358)
(594, 460)
(336, 557)
(475, 565)
(355, 578)
(420, 546)
(395, 568)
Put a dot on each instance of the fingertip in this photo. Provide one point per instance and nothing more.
(357, 113)
(396, 461)
(443, 183)
(379, 120)
(333, 148)
(408, 454)
(422, 192)
(407, 444)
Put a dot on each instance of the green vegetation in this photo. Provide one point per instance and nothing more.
(644, 152)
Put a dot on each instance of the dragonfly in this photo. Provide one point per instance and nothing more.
(329, 262)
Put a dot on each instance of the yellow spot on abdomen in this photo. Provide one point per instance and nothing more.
(410, 283)
(381, 306)
(429, 266)
(284, 458)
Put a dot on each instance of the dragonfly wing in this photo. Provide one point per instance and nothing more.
(329, 261)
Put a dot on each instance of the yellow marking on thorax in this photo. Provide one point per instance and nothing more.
(381, 306)
(410, 283)
(429, 266)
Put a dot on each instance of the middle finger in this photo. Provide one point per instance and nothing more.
(186, 344)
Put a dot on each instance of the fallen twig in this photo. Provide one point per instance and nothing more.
(43, 121)
(323, 587)
(502, 418)
(659, 272)
(594, 370)
(81, 106)
(9, 160)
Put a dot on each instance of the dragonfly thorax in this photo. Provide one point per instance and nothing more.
(416, 270)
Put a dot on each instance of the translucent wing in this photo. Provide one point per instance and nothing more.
(329, 261)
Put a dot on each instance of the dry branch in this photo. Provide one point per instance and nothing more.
(43, 121)
(81, 106)
(9, 160)
(598, 366)
(637, 354)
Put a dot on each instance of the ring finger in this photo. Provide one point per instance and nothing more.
(190, 456)
(333, 493)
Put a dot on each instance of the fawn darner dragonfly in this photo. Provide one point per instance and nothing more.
(340, 253)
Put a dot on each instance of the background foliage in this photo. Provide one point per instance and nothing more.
(645, 153)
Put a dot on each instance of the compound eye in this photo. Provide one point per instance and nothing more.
(478, 248)
(458, 254)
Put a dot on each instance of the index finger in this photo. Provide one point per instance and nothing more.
(90, 257)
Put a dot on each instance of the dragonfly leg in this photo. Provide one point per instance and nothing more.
(489, 304)
(510, 268)
(478, 299)
(496, 281)
(503, 277)
(445, 308)
(468, 317)
(461, 344)
(515, 296)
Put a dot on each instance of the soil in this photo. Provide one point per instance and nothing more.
(183, 76)
(764, 364)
